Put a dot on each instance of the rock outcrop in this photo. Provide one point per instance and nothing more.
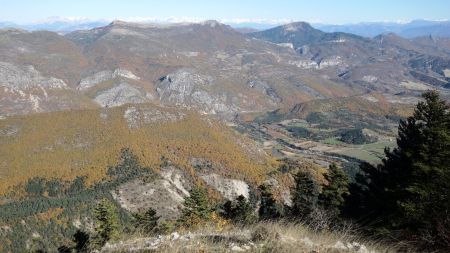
(20, 78)
(102, 76)
(124, 93)
(229, 188)
(189, 89)
(165, 193)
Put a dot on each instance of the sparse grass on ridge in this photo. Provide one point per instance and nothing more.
(273, 237)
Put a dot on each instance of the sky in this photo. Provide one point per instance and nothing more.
(228, 11)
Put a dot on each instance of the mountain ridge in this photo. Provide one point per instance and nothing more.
(414, 28)
(220, 71)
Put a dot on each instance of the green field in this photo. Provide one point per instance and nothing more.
(372, 152)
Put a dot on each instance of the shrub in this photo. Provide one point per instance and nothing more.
(147, 221)
(299, 132)
(269, 209)
(355, 136)
(239, 211)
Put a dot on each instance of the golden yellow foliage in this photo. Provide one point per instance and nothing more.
(76, 143)
(218, 222)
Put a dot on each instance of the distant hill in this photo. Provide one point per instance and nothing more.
(382, 63)
(245, 29)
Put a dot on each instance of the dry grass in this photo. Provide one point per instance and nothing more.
(273, 237)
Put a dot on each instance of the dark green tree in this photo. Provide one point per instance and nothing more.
(81, 240)
(107, 222)
(197, 207)
(333, 194)
(410, 189)
(77, 185)
(239, 211)
(128, 166)
(268, 209)
(35, 186)
(305, 195)
(146, 221)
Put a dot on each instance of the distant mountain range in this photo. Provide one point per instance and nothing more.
(62, 26)
(412, 29)
(416, 28)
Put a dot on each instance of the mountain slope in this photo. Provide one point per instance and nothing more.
(383, 63)
(76, 143)
(214, 68)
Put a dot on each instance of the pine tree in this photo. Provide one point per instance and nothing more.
(268, 209)
(239, 211)
(197, 207)
(410, 189)
(81, 240)
(333, 195)
(305, 194)
(425, 204)
(107, 222)
(147, 221)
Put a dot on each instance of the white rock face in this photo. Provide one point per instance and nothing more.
(19, 78)
(288, 45)
(229, 188)
(119, 95)
(104, 76)
(305, 64)
(165, 194)
(370, 79)
(91, 81)
(189, 89)
(125, 73)
(330, 61)
(340, 40)
(26, 90)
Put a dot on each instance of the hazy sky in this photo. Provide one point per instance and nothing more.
(325, 11)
